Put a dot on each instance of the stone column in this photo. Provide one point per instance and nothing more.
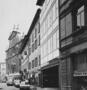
(66, 74)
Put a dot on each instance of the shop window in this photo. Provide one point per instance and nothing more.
(80, 61)
(80, 16)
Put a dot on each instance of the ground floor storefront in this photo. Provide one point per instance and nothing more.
(50, 75)
(73, 68)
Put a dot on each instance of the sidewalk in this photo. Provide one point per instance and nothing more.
(39, 88)
(2, 85)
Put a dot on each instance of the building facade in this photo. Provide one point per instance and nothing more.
(73, 44)
(34, 48)
(2, 70)
(49, 27)
(24, 54)
(12, 57)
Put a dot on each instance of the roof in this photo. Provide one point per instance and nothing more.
(36, 17)
(26, 38)
(40, 2)
(24, 42)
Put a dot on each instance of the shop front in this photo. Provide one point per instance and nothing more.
(50, 75)
(80, 71)
(80, 81)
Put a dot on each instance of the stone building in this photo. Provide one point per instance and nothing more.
(34, 48)
(12, 56)
(49, 30)
(23, 54)
(73, 44)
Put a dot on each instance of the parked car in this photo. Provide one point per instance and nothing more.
(24, 85)
(17, 82)
(9, 81)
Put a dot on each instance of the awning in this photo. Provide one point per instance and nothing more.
(51, 63)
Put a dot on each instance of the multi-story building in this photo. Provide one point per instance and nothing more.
(73, 44)
(49, 27)
(12, 57)
(2, 70)
(23, 54)
(34, 48)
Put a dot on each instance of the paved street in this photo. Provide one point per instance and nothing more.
(3, 86)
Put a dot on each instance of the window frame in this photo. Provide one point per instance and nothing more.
(80, 10)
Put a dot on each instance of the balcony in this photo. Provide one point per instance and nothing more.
(77, 37)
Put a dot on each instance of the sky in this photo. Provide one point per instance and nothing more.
(14, 12)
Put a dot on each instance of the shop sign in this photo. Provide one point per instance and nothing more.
(80, 74)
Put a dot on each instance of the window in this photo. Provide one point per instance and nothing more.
(42, 52)
(62, 28)
(50, 17)
(29, 41)
(45, 49)
(68, 23)
(25, 52)
(80, 16)
(48, 21)
(35, 32)
(32, 63)
(62, 1)
(80, 61)
(38, 27)
(32, 37)
(35, 44)
(39, 40)
(32, 47)
(29, 65)
(66, 26)
(36, 62)
(54, 41)
(29, 50)
(49, 47)
(39, 60)
(51, 40)
(46, 24)
(54, 12)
